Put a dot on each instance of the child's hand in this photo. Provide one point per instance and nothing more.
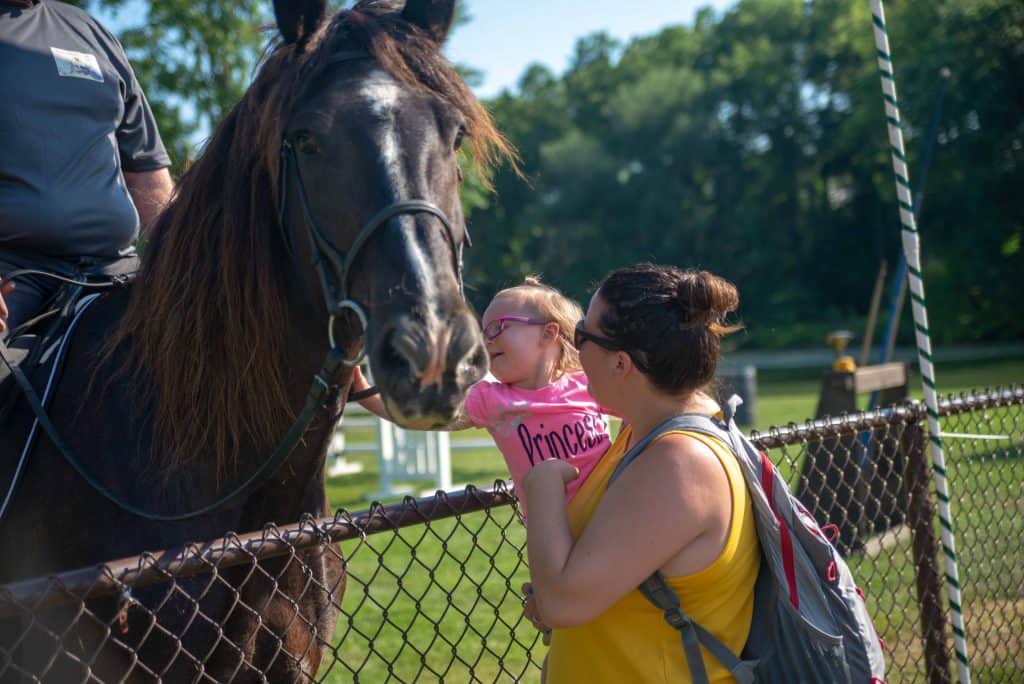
(359, 381)
(551, 469)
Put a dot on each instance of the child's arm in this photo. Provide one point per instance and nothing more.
(376, 406)
(461, 421)
(372, 404)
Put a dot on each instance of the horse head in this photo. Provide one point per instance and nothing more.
(368, 194)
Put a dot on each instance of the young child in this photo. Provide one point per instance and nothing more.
(540, 407)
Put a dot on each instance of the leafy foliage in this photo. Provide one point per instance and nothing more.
(751, 143)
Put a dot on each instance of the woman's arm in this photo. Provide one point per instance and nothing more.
(669, 508)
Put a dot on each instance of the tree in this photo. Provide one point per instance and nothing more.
(753, 143)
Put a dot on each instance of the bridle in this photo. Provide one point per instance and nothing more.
(333, 266)
(333, 269)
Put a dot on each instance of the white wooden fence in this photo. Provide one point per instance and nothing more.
(406, 456)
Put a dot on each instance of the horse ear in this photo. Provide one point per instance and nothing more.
(297, 19)
(433, 15)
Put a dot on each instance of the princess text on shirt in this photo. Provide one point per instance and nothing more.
(573, 438)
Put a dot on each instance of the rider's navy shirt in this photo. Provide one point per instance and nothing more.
(72, 118)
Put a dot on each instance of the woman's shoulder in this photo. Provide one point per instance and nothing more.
(686, 455)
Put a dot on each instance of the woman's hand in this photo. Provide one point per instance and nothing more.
(531, 613)
(551, 470)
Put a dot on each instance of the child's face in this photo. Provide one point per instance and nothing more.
(522, 349)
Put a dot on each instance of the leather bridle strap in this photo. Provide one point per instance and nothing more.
(323, 250)
(325, 255)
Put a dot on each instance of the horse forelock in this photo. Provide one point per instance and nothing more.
(201, 333)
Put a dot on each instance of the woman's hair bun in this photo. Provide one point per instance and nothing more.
(706, 299)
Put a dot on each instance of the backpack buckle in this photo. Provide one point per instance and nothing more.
(676, 618)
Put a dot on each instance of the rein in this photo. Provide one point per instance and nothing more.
(321, 392)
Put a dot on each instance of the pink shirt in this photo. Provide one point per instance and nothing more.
(560, 420)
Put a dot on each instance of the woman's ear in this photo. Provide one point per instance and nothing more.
(623, 363)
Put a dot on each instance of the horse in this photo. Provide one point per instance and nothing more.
(322, 221)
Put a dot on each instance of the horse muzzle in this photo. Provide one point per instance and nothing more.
(425, 367)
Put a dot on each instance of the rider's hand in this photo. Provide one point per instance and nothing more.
(6, 288)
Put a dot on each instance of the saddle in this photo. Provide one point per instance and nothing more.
(32, 358)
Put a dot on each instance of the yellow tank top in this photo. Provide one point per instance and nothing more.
(631, 642)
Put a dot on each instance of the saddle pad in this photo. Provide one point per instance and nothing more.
(16, 353)
(38, 356)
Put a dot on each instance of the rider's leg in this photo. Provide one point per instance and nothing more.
(33, 292)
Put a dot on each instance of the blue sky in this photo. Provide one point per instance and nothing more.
(505, 36)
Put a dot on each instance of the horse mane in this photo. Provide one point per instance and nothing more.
(201, 332)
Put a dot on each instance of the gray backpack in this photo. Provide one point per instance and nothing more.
(810, 623)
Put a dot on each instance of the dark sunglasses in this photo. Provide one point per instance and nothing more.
(580, 336)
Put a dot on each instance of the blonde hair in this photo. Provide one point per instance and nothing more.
(550, 304)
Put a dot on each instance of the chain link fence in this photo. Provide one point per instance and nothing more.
(433, 586)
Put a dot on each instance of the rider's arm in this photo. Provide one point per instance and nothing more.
(150, 192)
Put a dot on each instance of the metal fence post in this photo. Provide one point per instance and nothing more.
(921, 518)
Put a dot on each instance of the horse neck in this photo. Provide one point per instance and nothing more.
(298, 488)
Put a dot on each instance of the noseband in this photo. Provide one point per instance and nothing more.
(332, 265)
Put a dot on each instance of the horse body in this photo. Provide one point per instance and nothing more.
(229, 304)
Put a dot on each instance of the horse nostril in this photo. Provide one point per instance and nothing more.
(424, 357)
(467, 353)
(394, 352)
(474, 366)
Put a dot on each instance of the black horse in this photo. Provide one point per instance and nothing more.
(324, 210)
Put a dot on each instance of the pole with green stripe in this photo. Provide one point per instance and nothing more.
(912, 251)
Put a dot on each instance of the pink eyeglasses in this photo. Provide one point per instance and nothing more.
(494, 329)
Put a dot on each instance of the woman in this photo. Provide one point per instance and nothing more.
(649, 344)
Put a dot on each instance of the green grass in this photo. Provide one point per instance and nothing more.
(792, 394)
(442, 602)
(438, 603)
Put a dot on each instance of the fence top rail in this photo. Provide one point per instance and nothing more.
(910, 412)
(233, 549)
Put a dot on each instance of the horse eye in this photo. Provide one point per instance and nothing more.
(459, 135)
(305, 143)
